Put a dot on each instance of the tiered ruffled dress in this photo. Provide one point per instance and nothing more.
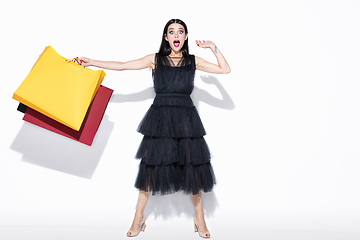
(174, 155)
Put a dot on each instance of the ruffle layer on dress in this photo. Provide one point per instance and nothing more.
(165, 151)
(167, 179)
(172, 122)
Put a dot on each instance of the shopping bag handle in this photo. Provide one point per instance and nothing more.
(75, 60)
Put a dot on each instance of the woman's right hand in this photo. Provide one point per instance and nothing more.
(83, 61)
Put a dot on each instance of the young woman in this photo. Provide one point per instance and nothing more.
(174, 155)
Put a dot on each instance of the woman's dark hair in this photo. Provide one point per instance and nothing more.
(165, 48)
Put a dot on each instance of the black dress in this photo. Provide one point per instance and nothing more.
(174, 155)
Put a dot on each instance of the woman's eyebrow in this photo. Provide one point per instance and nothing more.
(174, 28)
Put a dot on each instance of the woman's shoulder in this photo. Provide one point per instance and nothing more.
(198, 59)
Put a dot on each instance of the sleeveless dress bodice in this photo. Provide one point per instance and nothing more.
(174, 75)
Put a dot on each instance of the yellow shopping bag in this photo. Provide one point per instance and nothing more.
(59, 88)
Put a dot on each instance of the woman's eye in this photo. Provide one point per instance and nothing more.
(171, 32)
(181, 32)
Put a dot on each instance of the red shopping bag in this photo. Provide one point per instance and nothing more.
(89, 126)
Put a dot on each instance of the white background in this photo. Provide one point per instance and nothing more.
(283, 126)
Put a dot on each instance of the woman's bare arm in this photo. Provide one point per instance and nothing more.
(203, 65)
(145, 62)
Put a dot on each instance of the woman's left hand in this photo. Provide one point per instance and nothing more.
(205, 44)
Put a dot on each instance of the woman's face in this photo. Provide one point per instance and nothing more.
(176, 36)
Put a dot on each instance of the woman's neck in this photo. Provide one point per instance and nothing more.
(175, 54)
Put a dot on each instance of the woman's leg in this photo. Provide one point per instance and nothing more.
(199, 219)
(139, 214)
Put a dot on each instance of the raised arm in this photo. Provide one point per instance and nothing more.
(203, 65)
(145, 62)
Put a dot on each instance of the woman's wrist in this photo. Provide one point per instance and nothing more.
(91, 62)
(214, 48)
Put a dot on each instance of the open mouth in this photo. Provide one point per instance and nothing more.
(176, 43)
